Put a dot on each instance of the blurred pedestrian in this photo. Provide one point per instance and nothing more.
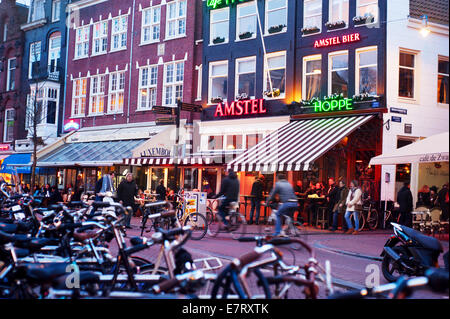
(257, 193)
(340, 206)
(443, 201)
(161, 191)
(332, 195)
(405, 202)
(126, 193)
(354, 207)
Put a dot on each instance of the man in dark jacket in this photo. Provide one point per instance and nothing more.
(443, 201)
(230, 189)
(161, 191)
(126, 193)
(332, 198)
(405, 201)
(257, 193)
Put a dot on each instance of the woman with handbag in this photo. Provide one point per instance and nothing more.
(354, 207)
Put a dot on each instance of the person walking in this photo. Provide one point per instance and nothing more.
(354, 206)
(103, 185)
(332, 198)
(405, 202)
(443, 202)
(257, 193)
(161, 191)
(288, 200)
(126, 193)
(230, 189)
(340, 206)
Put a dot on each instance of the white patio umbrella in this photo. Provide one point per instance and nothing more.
(429, 150)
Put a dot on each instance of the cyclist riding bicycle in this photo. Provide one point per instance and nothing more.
(230, 190)
(288, 200)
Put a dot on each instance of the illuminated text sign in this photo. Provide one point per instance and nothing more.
(214, 4)
(333, 105)
(71, 126)
(245, 107)
(354, 37)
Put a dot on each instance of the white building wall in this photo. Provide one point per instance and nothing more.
(426, 115)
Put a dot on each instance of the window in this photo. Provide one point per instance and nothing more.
(54, 53)
(246, 76)
(443, 88)
(119, 33)
(252, 140)
(173, 82)
(219, 28)
(234, 142)
(35, 58)
(366, 8)
(79, 97)
(100, 38)
(82, 42)
(338, 73)
(8, 134)
(38, 10)
(218, 80)
(11, 80)
(366, 68)
(276, 13)
(116, 92)
(275, 74)
(97, 105)
(312, 14)
(151, 19)
(176, 19)
(339, 11)
(406, 75)
(312, 75)
(215, 142)
(246, 21)
(148, 79)
(56, 10)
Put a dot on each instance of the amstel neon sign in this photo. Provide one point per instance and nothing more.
(237, 108)
(333, 105)
(214, 4)
(354, 37)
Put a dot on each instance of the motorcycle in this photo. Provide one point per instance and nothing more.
(409, 252)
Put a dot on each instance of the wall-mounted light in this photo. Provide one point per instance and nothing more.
(424, 31)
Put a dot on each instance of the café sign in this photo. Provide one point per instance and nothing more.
(157, 152)
(349, 38)
(237, 108)
(333, 105)
(214, 4)
(71, 125)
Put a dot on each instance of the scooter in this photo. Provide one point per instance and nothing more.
(409, 252)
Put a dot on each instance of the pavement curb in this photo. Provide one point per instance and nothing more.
(348, 253)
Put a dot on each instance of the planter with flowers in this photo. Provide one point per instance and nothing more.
(246, 35)
(366, 19)
(310, 30)
(218, 40)
(335, 25)
(276, 29)
(217, 99)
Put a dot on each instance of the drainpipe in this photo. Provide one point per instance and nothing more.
(131, 62)
(65, 70)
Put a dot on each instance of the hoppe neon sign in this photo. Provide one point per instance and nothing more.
(214, 4)
(237, 108)
(333, 105)
(354, 37)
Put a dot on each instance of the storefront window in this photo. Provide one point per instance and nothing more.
(91, 179)
(367, 66)
(215, 142)
(219, 25)
(443, 74)
(406, 75)
(312, 74)
(246, 76)
(190, 178)
(157, 175)
(339, 73)
(209, 181)
(218, 80)
(234, 142)
(253, 139)
(276, 72)
(246, 20)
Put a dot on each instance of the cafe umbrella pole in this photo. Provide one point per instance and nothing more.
(177, 140)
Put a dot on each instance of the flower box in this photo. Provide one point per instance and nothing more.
(335, 25)
(245, 35)
(218, 40)
(361, 20)
(310, 30)
(242, 97)
(276, 29)
(217, 99)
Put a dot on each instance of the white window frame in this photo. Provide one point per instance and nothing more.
(83, 44)
(56, 10)
(414, 98)
(306, 59)
(266, 29)
(176, 19)
(34, 56)
(237, 74)
(358, 6)
(267, 69)
(8, 77)
(98, 95)
(173, 84)
(211, 12)
(101, 38)
(330, 69)
(238, 17)
(210, 78)
(150, 88)
(442, 58)
(38, 15)
(116, 92)
(151, 25)
(52, 50)
(358, 67)
(312, 16)
(330, 14)
(199, 82)
(119, 33)
(5, 130)
(79, 97)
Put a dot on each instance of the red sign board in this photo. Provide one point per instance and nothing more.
(4, 147)
(245, 107)
(354, 37)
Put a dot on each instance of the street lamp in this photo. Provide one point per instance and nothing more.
(424, 31)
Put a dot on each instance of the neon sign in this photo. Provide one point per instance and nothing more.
(214, 4)
(71, 126)
(354, 37)
(333, 105)
(245, 107)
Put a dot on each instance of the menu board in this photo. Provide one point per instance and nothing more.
(195, 202)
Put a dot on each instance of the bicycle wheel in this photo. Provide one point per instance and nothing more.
(209, 215)
(238, 225)
(361, 219)
(372, 219)
(198, 224)
(214, 225)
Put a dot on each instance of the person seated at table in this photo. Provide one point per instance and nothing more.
(423, 197)
(433, 196)
(300, 193)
